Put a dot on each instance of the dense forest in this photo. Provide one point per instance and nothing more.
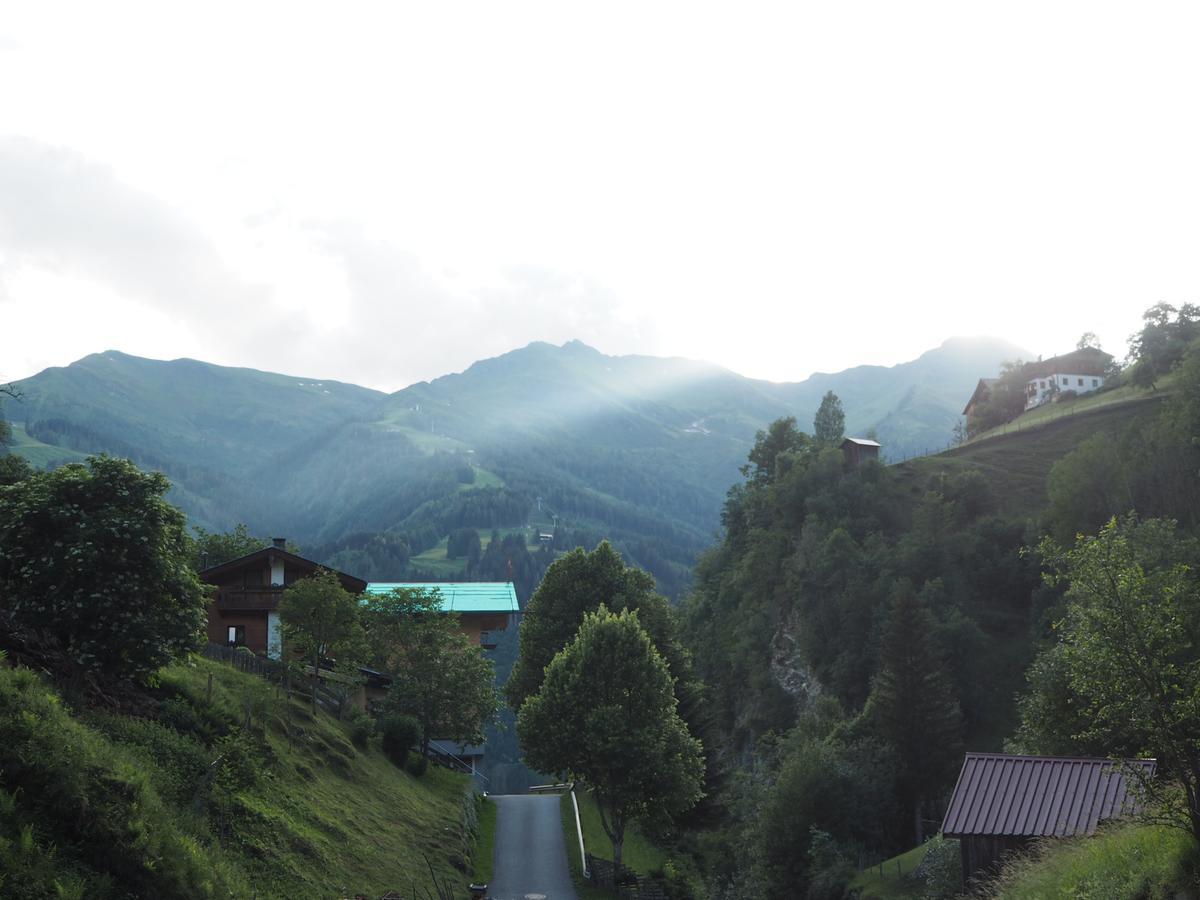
(857, 628)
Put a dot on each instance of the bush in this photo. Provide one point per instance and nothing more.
(417, 765)
(398, 732)
(361, 727)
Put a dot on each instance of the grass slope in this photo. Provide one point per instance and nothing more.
(284, 806)
(889, 879)
(1127, 862)
(1016, 463)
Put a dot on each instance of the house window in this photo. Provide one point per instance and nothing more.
(1081, 382)
(237, 635)
(1095, 382)
(1066, 381)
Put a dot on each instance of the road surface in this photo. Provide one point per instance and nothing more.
(530, 861)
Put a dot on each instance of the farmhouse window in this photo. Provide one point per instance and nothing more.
(237, 635)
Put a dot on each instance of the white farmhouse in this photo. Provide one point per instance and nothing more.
(1081, 371)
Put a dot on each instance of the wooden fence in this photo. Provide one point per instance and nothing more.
(630, 885)
(277, 673)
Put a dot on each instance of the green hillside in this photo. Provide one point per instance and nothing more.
(237, 794)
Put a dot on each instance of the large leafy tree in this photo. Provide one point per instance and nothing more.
(579, 583)
(829, 424)
(1129, 649)
(438, 677)
(320, 621)
(606, 715)
(94, 555)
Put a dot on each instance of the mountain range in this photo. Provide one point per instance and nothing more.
(640, 449)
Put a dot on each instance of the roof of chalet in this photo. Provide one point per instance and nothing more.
(984, 385)
(462, 596)
(349, 582)
(1088, 361)
(1039, 796)
(862, 442)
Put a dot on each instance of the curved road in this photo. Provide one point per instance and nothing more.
(530, 860)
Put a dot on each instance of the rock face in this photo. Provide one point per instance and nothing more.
(789, 668)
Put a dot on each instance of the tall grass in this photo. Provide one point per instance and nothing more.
(1123, 862)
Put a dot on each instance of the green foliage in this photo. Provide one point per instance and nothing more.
(94, 554)
(320, 621)
(214, 548)
(829, 425)
(606, 714)
(13, 469)
(398, 733)
(1128, 647)
(1004, 401)
(464, 542)
(360, 725)
(574, 585)
(438, 676)
(1162, 342)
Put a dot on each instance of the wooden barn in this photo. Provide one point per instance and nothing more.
(860, 450)
(1001, 803)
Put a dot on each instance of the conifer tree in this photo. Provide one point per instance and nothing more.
(913, 706)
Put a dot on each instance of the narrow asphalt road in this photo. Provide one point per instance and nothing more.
(530, 861)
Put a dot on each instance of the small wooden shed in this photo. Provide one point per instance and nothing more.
(859, 450)
(1002, 803)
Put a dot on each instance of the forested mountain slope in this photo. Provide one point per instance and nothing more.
(639, 449)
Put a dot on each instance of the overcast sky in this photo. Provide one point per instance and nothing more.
(385, 193)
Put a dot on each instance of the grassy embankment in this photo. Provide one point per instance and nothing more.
(243, 794)
(638, 853)
(485, 842)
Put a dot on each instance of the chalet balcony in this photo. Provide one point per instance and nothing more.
(261, 598)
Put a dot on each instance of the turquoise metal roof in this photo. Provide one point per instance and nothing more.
(462, 596)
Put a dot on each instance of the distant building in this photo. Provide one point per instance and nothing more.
(245, 612)
(1001, 803)
(859, 450)
(483, 607)
(983, 390)
(1081, 372)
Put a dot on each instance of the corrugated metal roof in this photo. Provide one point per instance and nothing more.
(462, 596)
(862, 442)
(1039, 796)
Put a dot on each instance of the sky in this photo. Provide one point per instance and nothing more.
(384, 193)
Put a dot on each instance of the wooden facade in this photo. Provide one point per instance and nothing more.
(244, 612)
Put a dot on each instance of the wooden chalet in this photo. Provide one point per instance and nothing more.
(1002, 803)
(245, 611)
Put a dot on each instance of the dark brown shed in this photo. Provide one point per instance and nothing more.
(859, 450)
(1002, 803)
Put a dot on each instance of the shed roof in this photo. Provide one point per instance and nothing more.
(1039, 796)
(982, 389)
(862, 442)
(461, 596)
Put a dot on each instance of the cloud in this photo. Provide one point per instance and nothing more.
(326, 299)
(407, 321)
(58, 211)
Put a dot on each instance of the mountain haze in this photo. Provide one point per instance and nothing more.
(641, 449)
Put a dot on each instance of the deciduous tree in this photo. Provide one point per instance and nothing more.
(606, 715)
(93, 554)
(1129, 648)
(438, 677)
(320, 621)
